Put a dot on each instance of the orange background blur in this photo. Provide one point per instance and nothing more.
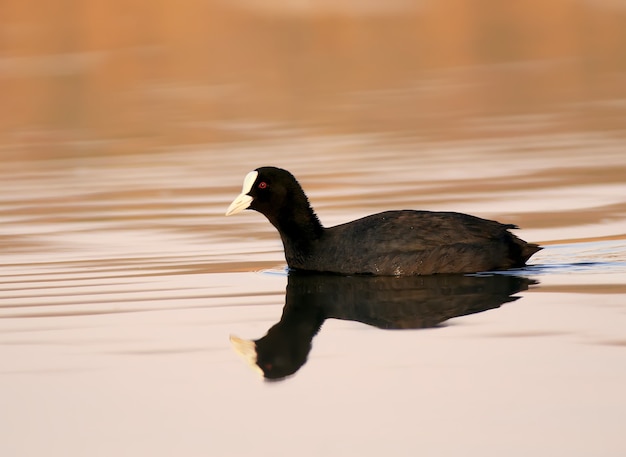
(122, 76)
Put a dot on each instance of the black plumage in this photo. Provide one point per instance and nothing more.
(404, 242)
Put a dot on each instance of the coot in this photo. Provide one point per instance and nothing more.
(405, 242)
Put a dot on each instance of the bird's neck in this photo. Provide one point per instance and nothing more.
(299, 229)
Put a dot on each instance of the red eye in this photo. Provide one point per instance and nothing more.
(262, 185)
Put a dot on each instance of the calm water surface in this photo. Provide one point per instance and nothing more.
(122, 282)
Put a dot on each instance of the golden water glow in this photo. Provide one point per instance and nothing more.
(119, 77)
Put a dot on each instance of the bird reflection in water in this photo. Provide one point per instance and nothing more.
(407, 302)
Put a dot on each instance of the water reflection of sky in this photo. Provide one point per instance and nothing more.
(125, 132)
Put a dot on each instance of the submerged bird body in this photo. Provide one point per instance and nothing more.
(405, 242)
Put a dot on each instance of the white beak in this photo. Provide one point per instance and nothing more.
(239, 204)
(247, 350)
(243, 200)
